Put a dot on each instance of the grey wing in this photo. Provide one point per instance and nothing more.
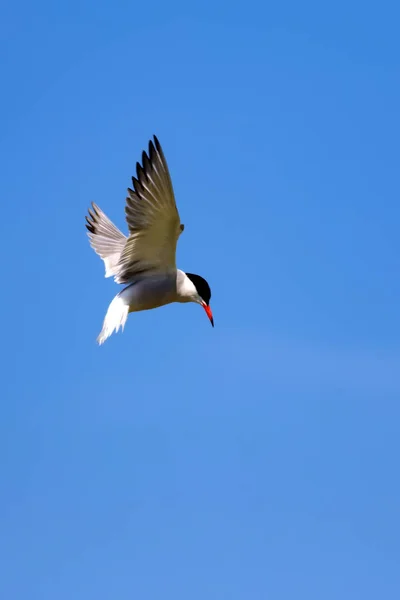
(152, 217)
(105, 238)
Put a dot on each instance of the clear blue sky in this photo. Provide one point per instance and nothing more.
(257, 460)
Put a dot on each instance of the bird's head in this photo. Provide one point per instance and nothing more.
(201, 294)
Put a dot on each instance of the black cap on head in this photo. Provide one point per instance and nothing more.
(202, 287)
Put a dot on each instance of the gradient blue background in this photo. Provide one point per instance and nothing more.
(256, 460)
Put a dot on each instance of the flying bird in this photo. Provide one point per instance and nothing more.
(145, 260)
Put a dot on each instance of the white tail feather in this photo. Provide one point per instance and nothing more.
(115, 318)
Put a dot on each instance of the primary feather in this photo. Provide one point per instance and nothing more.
(105, 238)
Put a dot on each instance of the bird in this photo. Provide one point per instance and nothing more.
(145, 260)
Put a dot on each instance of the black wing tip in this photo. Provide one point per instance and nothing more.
(139, 168)
(148, 159)
(90, 225)
(152, 149)
(91, 219)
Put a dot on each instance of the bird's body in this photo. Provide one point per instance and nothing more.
(145, 260)
(151, 292)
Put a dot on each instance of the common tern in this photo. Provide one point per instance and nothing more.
(146, 259)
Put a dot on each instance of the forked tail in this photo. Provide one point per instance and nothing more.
(115, 318)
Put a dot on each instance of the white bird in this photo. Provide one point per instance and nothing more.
(145, 260)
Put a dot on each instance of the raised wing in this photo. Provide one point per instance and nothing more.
(105, 238)
(152, 217)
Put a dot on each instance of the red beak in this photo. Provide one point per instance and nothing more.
(209, 313)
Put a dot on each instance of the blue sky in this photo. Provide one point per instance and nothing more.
(256, 460)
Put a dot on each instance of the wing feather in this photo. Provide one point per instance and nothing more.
(152, 217)
(105, 238)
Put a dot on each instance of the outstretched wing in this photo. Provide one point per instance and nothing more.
(105, 238)
(152, 217)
